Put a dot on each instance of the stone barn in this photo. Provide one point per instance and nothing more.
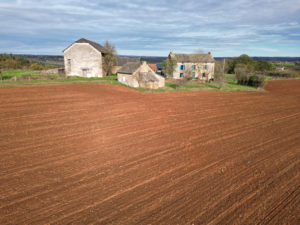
(139, 74)
(84, 58)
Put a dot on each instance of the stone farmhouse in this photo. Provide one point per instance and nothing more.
(197, 66)
(84, 58)
(139, 74)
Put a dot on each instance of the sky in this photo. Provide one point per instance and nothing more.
(153, 27)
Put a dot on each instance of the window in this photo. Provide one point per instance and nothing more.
(193, 67)
(182, 67)
(204, 67)
(181, 75)
(69, 65)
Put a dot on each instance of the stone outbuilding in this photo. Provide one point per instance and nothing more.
(139, 74)
(197, 66)
(121, 61)
(84, 58)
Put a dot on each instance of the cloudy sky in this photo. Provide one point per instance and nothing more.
(153, 27)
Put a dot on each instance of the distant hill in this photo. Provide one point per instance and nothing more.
(271, 59)
(58, 60)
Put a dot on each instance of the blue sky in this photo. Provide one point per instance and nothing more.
(153, 27)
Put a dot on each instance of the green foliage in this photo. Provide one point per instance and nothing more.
(11, 62)
(256, 81)
(168, 66)
(244, 76)
(36, 66)
(251, 64)
(263, 66)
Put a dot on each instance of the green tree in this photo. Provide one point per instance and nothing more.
(263, 66)
(251, 64)
(168, 67)
(110, 58)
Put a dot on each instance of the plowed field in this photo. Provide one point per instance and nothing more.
(90, 153)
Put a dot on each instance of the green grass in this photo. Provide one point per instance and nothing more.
(75, 78)
(7, 74)
(231, 83)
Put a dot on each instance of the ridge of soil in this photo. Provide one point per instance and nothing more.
(105, 154)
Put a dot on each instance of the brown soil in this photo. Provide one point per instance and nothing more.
(98, 153)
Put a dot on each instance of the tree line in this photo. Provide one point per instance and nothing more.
(13, 62)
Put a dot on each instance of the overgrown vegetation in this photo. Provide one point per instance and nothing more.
(12, 62)
(254, 72)
(244, 77)
(251, 64)
(229, 83)
(220, 80)
(247, 71)
(110, 58)
(168, 67)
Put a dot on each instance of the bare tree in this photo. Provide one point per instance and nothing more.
(220, 79)
(219, 76)
(110, 58)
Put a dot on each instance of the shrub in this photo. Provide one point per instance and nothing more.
(244, 77)
(220, 80)
(283, 74)
(241, 74)
(36, 66)
(256, 81)
(253, 65)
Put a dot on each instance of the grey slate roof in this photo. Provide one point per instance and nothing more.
(129, 67)
(148, 77)
(97, 46)
(194, 58)
(121, 61)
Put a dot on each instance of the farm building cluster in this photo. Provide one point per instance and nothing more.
(85, 58)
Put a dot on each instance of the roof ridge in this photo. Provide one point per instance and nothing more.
(96, 45)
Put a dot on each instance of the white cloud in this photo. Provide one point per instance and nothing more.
(151, 27)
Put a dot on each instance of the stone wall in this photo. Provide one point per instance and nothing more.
(133, 81)
(198, 70)
(128, 79)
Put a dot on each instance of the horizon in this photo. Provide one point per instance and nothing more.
(154, 56)
(227, 29)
